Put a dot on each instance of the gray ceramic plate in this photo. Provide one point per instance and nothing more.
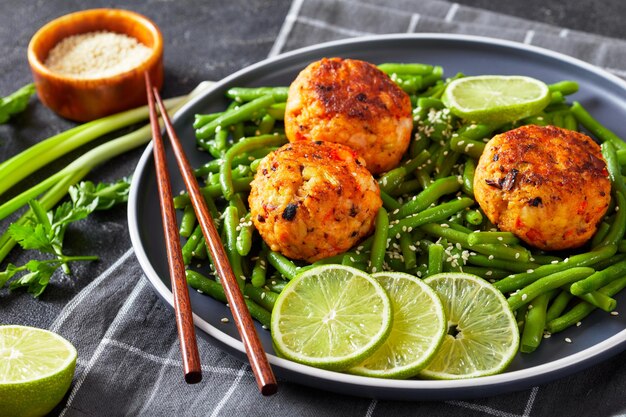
(600, 336)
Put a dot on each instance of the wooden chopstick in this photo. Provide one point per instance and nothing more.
(182, 305)
(256, 355)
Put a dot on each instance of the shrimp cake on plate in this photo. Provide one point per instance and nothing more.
(354, 103)
(549, 186)
(312, 200)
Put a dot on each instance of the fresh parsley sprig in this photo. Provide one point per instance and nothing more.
(45, 232)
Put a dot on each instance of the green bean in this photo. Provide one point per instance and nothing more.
(558, 305)
(214, 191)
(201, 251)
(231, 221)
(390, 203)
(514, 282)
(187, 222)
(618, 228)
(435, 259)
(408, 251)
(246, 112)
(240, 94)
(406, 188)
(492, 262)
(612, 165)
(391, 179)
(557, 120)
(556, 97)
(427, 197)
(506, 238)
(215, 290)
(597, 299)
(355, 257)
(264, 298)
(266, 125)
(569, 122)
(597, 129)
(202, 119)
(418, 144)
(190, 246)
(226, 181)
(277, 111)
(259, 271)
(433, 77)
(474, 217)
(276, 284)
(547, 283)
(534, 323)
(414, 69)
(283, 265)
(600, 234)
(490, 274)
(582, 310)
(444, 168)
(432, 214)
(513, 253)
(468, 177)
(472, 148)
(244, 237)
(410, 84)
(544, 259)
(379, 242)
(565, 87)
(237, 201)
(599, 279)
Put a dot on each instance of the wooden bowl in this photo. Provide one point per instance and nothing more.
(84, 99)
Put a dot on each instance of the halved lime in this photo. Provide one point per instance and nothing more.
(419, 325)
(496, 99)
(331, 316)
(482, 338)
(36, 370)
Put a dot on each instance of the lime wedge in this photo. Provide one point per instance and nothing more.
(496, 99)
(482, 337)
(36, 370)
(331, 316)
(419, 325)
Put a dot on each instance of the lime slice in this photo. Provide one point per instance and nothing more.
(36, 370)
(482, 337)
(496, 99)
(419, 325)
(331, 317)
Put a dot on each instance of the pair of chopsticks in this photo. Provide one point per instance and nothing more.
(182, 306)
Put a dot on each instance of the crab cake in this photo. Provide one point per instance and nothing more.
(549, 186)
(354, 103)
(311, 200)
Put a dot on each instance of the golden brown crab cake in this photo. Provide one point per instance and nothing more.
(354, 103)
(311, 200)
(549, 186)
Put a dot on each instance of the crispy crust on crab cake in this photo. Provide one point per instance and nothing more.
(311, 200)
(354, 103)
(549, 186)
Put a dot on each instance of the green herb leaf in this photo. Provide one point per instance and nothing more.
(35, 281)
(31, 236)
(105, 195)
(16, 102)
(8, 273)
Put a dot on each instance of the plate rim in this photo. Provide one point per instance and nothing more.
(548, 371)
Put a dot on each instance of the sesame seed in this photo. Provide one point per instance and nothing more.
(568, 340)
(524, 297)
(554, 262)
(224, 320)
(578, 324)
(517, 255)
(614, 313)
(530, 271)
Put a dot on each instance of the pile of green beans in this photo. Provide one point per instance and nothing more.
(429, 223)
